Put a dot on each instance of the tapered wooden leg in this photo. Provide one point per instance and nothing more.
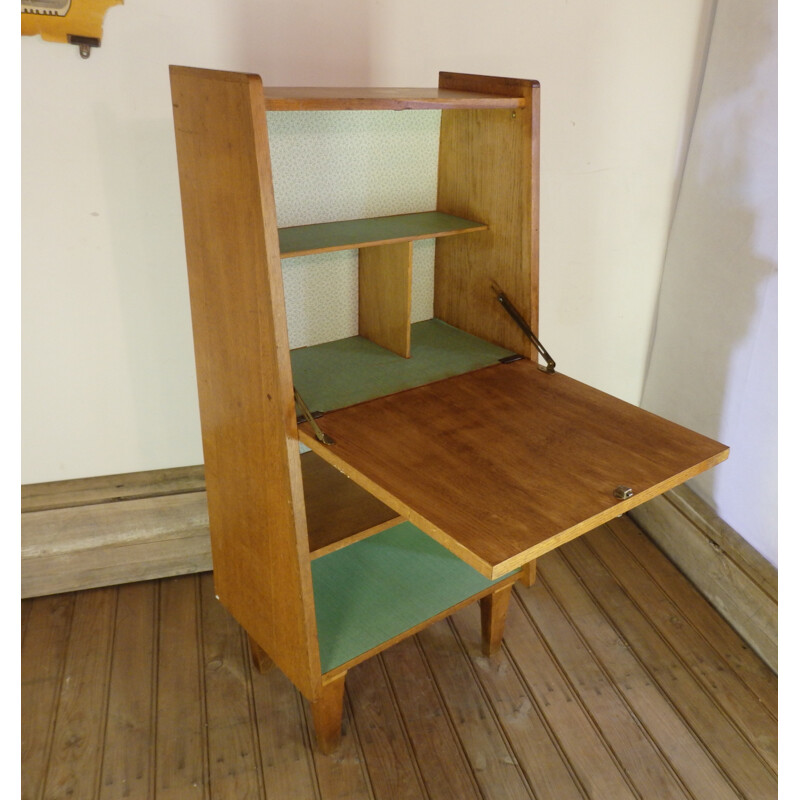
(261, 661)
(494, 608)
(527, 575)
(327, 714)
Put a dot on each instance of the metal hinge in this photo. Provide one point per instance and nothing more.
(524, 327)
(309, 417)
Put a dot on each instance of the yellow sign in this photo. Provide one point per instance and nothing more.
(74, 21)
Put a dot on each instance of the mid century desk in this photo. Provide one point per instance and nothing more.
(445, 460)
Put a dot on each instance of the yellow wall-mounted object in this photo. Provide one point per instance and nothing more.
(77, 22)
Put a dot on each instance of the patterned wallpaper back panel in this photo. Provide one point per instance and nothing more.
(336, 165)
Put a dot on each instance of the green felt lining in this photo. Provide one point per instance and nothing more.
(348, 371)
(383, 586)
(352, 233)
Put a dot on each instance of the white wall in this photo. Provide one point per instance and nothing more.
(108, 375)
(714, 361)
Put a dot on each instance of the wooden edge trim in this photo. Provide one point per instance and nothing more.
(277, 98)
(506, 87)
(605, 516)
(404, 510)
(487, 569)
(212, 74)
(356, 537)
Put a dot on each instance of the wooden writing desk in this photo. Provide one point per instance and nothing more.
(451, 468)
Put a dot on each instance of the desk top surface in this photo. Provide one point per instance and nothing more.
(505, 463)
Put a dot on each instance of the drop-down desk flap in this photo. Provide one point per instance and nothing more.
(505, 463)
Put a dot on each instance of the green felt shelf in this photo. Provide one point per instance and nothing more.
(383, 586)
(349, 371)
(325, 237)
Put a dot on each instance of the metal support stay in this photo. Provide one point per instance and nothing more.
(309, 417)
(523, 325)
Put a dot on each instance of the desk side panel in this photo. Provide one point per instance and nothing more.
(489, 171)
(257, 518)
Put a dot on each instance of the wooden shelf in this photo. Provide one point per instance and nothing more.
(349, 371)
(325, 237)
(314, 98)
(338, 511)
(373, 593)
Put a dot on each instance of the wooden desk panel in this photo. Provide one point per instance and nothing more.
(506, 463)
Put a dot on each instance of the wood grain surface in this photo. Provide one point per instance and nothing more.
(111, 488)
(315, 98)
(505, 463)
(384, 296)
(339, 511)
(130, 727)
(734, 577)
(253, 476)
(489, 170)
(599, 690)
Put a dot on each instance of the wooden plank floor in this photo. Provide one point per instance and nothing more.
(616, 680)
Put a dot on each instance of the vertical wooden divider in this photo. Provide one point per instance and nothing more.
(384, 296)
